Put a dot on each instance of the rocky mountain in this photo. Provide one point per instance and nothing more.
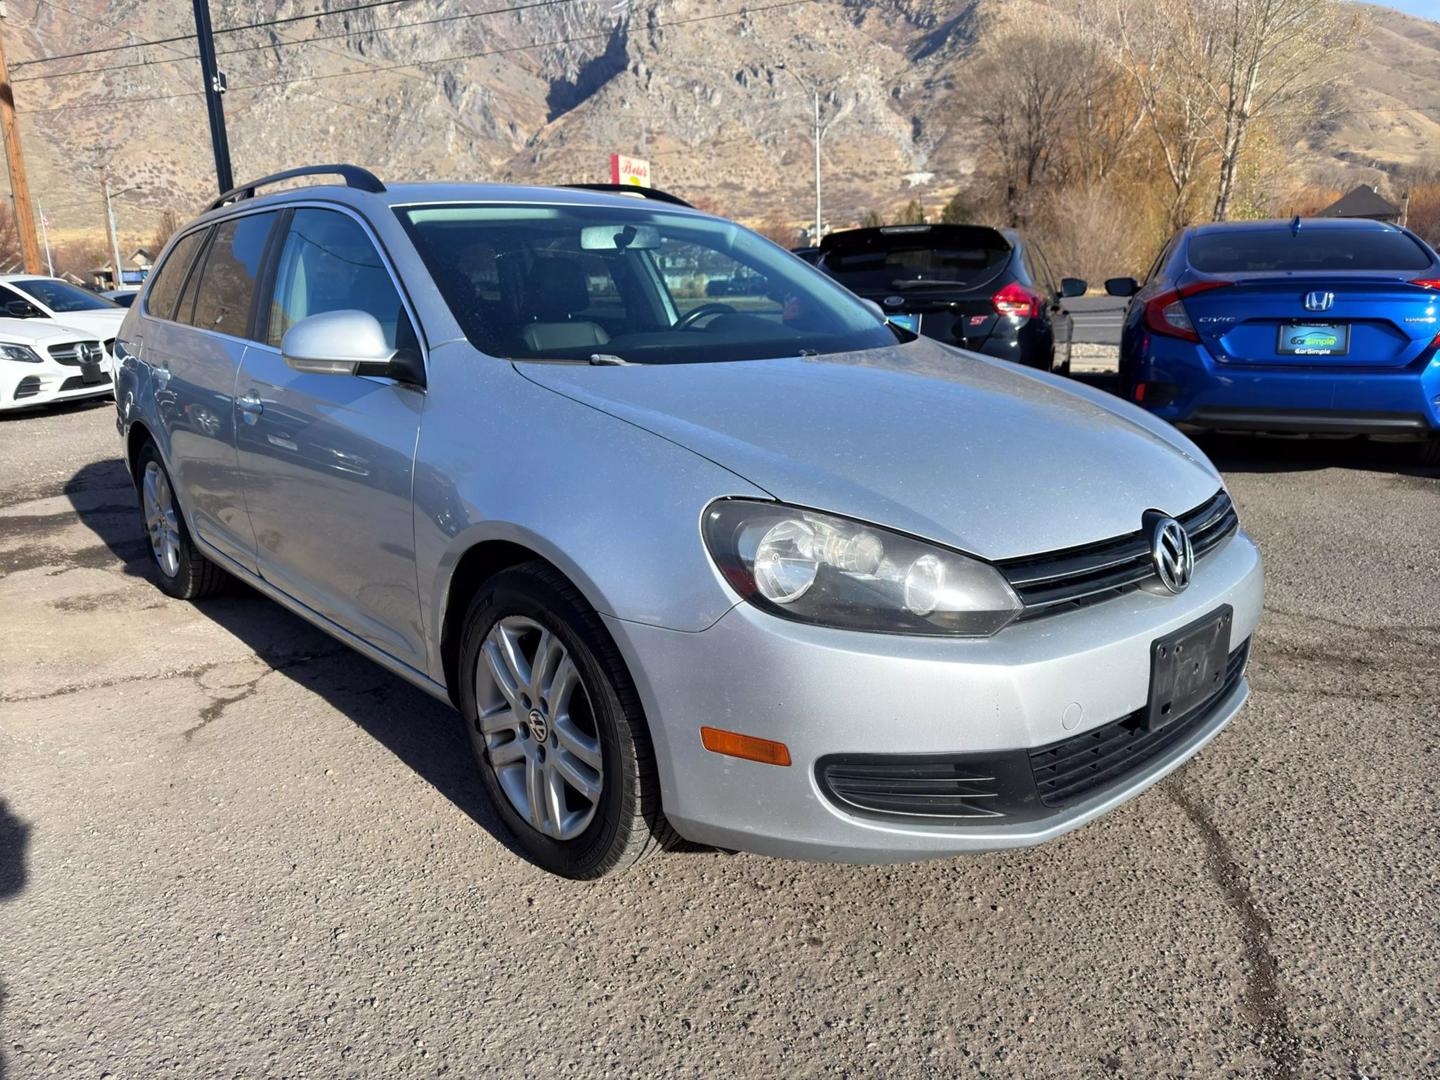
(715, 93)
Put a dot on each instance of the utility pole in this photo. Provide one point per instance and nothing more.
(818, 135)
(214, 88)
(19, 182)
(114, 239)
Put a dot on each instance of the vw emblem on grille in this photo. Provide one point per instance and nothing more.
(1319, 301)
(1171, 553)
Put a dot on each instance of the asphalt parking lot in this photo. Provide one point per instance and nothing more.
(231, 847)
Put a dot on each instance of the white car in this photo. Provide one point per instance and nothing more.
(26, 296)
(42, 363)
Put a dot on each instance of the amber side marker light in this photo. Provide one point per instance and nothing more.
(733, 744)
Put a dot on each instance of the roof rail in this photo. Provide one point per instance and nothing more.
(635, 190)
(353, 175)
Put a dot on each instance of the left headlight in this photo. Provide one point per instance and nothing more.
(819, 568)
(21, 353)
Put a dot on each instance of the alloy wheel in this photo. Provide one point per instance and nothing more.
(161, 521)
(537, 727)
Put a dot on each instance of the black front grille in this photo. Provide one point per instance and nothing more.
(1076, 766)
(27, 387)
(1093, 572)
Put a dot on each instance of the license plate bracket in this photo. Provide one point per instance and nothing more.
(1313, 339)
(1188, 667)
(90, 374)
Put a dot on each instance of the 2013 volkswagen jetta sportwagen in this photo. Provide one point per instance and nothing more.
(755, 572)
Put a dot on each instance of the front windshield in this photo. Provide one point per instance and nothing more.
(643, 285)
(61, 296)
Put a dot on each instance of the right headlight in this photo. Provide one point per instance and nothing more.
(819, 568)
(20, 353)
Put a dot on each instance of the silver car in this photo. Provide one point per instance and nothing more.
(758, 572)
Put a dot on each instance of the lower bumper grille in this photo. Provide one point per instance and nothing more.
(77, 382)
(1011, 785)
(27, 387)
(1073, 767)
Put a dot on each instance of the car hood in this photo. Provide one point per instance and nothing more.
(973, 453)
(100, 324)
(39, 332)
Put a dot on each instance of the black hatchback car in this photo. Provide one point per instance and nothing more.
(984, 289)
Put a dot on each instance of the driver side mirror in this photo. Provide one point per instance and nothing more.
(22, 309)
(1122, 286)
(348, 343)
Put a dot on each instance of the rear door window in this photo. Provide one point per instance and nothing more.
(227, 281)
(170, 277)
(328, 263)
(1316, 249)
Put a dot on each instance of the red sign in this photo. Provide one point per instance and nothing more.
(629, 170)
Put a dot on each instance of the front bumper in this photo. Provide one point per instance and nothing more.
(829, 692)
(25, 385)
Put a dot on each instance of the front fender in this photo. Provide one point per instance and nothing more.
(614, 507)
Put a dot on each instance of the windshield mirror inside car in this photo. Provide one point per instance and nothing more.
(643, 285)
(1281, 249)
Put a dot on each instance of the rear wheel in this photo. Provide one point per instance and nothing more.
(556, 727)
(180, 568)
(1429, 452)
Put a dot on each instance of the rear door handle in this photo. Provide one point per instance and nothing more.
(250, 407)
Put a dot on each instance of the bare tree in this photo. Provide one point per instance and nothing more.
(1264, 64)
(10, 258)
(1023, 96)
(1166, 49)
(165, 228)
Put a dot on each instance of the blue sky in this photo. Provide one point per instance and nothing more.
(1430, 9)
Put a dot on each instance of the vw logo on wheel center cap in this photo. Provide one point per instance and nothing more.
(1171, 553)
(539, 726)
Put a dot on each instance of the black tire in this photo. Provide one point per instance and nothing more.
(628, 823)
(195, 576)
(1429, 451)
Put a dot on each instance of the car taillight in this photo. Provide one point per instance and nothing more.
(1166, 314)
(1016, 299)
(1427, 283)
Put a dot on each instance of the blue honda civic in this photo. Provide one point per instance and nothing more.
(1314, 326)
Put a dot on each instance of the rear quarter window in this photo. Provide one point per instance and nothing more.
(165, 288)
(1261, 250)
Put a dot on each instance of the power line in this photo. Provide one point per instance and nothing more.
(380, 68)
(285, 43)
(222, 30)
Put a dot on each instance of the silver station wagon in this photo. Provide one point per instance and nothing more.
(699, 546)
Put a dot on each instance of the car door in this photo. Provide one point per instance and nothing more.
(327, 459)
(1060, 320)
(193, 352)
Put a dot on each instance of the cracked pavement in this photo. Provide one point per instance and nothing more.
(229, 846)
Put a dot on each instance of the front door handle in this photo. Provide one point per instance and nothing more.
(250, 408)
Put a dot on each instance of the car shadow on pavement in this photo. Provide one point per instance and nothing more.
(427, 735)
(1253, 454)
(14, 841)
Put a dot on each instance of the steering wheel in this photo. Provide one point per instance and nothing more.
(694, 315)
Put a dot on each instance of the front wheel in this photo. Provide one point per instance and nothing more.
(556, 727)
(1429, 451)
